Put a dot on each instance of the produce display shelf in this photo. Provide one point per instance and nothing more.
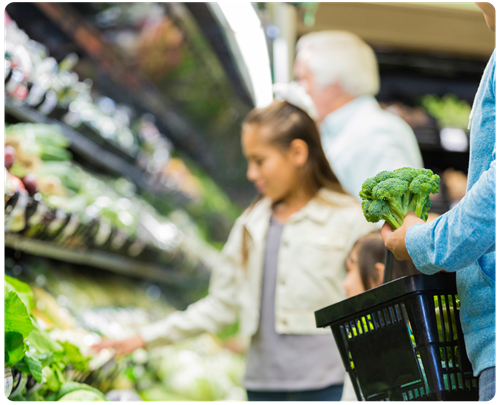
(106, 261)
(123, 82)
(96, 155)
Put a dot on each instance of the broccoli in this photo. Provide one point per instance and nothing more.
(366, 190)
(375, 210)
(392, 190)
(421, 187)
(406, 174)
(390, 195)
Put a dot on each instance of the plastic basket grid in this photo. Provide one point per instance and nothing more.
(407, 347)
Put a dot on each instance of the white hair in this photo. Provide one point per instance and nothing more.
(340, 57)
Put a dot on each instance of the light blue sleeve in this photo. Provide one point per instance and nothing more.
(461, 236)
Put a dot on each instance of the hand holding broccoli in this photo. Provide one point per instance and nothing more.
(395, 240)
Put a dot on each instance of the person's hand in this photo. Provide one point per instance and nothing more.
(395, 240)
(121, 346)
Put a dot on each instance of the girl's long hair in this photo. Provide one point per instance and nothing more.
(287, 123)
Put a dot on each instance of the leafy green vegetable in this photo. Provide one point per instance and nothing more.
(34, 367)
(17, 327)
(23, 291)
(390, 195)
(14, 348)
(72, 386)
(448, 110)
(53, 377)
(72, 355)
(82, 395)
(41, 341)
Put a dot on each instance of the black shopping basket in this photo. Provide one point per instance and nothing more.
(403, 341)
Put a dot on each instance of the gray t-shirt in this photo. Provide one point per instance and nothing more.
(287, 362)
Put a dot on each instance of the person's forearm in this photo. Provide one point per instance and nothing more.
(207, 315)
(461, 236)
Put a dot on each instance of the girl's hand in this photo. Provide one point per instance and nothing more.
(121, 346)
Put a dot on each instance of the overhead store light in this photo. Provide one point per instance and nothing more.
(248, 42)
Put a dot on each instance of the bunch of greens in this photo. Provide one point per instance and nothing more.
(194, 370)
(44, 141)
(449, 111)
(29, 349)
(390, 195)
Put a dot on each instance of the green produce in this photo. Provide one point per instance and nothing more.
(17, 327)
(82, 395)
(45, 141)
(449, 110)
(30, 349)
(73, 386)
(158, 392)
(390, 195)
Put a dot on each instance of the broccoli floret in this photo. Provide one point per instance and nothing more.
(425, 210)
(422, 186)
(425, 172)
(390, 195)
(383, 176)
(406, 174)
(367, 187)
(378, 210)
(392, 190)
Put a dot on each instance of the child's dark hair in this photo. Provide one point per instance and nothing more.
(370, 249)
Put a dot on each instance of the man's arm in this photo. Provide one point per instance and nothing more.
(455, 240)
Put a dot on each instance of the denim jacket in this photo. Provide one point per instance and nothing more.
(463, 239)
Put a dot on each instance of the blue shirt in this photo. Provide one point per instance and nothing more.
(463, 239)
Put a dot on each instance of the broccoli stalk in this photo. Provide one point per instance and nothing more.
(406, 174)
(422, 186)
(376, 210)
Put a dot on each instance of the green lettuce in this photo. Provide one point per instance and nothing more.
(18, 326)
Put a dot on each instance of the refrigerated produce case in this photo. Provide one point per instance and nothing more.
(113, 215)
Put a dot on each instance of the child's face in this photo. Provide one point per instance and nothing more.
(353, 284)
(274, 172)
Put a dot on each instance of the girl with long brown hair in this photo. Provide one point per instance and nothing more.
(283, 260)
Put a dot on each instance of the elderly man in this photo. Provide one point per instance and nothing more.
(463, 239)
(339, 71)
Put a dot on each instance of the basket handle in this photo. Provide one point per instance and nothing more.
(389, 263)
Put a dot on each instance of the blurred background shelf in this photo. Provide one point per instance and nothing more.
(127, 83)
(89, 152)
(106, 261)
(193, 89)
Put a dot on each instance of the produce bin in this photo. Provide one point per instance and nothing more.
(403, 341)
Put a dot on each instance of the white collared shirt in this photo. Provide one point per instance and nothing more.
(360, 140)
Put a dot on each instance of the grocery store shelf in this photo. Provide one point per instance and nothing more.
(217, 34)
(96, 155)
(105, 261)
(146, 96)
